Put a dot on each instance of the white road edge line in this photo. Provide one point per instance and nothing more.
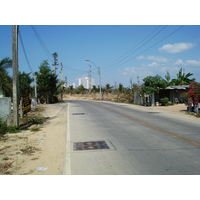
(67, 160)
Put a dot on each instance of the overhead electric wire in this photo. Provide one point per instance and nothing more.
(20, 37)
(147, 48)
(137, 45)
(42, 43)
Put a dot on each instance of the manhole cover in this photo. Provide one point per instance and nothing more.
(153, 112)
(91, 145)
(78, 113)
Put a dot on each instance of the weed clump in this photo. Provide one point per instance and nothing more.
(4, 128)
(36, 120)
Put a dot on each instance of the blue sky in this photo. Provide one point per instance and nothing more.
(122, 51)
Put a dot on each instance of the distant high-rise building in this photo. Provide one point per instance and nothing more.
(85, 81)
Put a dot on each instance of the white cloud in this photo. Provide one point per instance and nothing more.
(130, 70)
(179, 62)
(177, 47)
(153, 58)
(193, 63)
(153, 64)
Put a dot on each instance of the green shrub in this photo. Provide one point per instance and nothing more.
(3, 126)
(36, 120)
(13, 129)
(169, 103)
(164, 100)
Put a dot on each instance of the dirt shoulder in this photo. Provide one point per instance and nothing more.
(177, 109)
(37, 153)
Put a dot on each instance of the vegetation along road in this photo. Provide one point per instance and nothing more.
(111, 138)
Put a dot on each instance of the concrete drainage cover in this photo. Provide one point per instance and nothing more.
(92, 145)
(78, 113)
(153, 112)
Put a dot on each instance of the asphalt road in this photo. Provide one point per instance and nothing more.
(105, 138)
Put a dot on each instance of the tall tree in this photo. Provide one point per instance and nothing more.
(47, 82)
(153, 84)
(5, 79)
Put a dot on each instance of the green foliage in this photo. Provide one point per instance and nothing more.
(71, 89)
(5, 79)
(81, 89)
(108, 88)
(182, 78)
(4, 128)
(47, 83)
(36, 120)
(153, 84)
(24, 82)
(164, 100)
(120, 88)
(94, 89)
(167, 77)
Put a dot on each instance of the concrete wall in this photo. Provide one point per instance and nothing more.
(5, 109)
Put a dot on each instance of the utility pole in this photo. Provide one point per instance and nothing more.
(66, 81)
(61, 68)
(55, 55)
(15, 74)
(100, 82)
(99, 76)
(138, 80)
(35, 86)
(90, 76)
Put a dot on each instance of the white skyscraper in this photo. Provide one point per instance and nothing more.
(85, 81)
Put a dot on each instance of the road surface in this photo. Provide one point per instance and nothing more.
(105, 138)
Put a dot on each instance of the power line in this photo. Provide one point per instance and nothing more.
(42, 43)
(137, 45)
(20, 37)
(147, 48)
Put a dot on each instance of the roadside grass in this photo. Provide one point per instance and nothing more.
(34, 117)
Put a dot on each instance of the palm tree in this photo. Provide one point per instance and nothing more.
(182, 78)
(24, 82)
(120, 90)
(108, 87)
(5, 79)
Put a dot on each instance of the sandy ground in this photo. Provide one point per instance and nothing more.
(42, 152)
(29, 153)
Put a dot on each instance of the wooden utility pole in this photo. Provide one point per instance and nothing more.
(15, 74)
(61, 69)
(35, 85)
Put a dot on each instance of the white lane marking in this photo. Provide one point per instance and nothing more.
(67, 165)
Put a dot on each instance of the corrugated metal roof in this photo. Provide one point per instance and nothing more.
(177, 87)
